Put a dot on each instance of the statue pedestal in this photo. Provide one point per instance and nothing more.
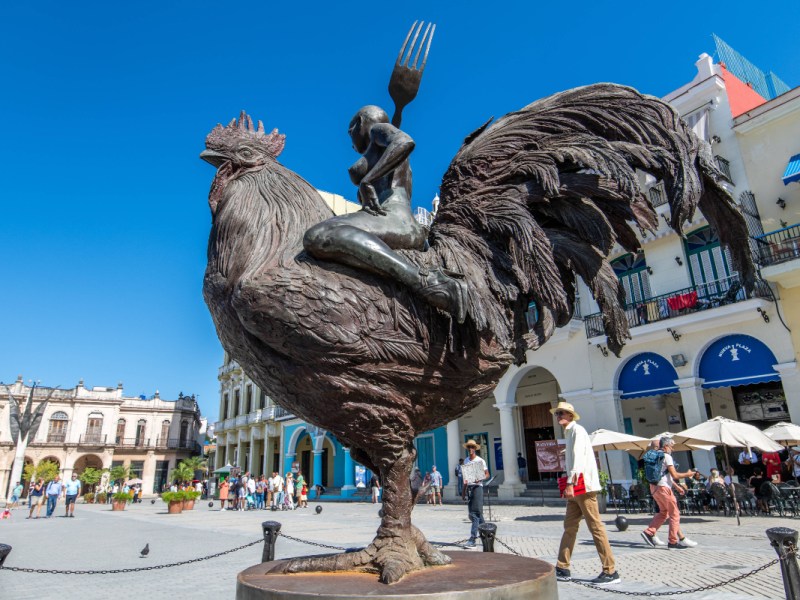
(471, 576)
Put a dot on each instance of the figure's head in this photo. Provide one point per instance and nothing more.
(666, 443)
(565, 413)
(362, 122)
(472, 446)
(433, 468)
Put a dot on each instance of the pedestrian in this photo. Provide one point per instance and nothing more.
(54, 489)
(426, 485)
(473, 488)
(251, 493)
(260, 487)
(278, 496)
(16, 494)
(748, 459)
(288, 502)
(270, 490)
(436, 485)
(522, 467)
(35, 496)
(582, 487)
(794, 462)
(241, 494)
(375, 488)
(667, 503)
(459, 477)
(299, 483)
(772, 464)
(223, 493)
(71, 490)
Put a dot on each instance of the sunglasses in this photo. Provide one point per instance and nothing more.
(561, 413)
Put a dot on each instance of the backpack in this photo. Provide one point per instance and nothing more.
(653, 463)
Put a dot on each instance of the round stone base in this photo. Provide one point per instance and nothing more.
(471, 576)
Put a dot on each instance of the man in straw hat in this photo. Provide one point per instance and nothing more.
(473, 487)
(581, 462)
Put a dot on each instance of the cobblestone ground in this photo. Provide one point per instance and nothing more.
(98, 538)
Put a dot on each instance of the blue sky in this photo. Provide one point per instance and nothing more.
(105, 109)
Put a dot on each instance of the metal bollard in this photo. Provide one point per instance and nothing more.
(487, 531)
(784, 540)
(271, 531)
(5, 550)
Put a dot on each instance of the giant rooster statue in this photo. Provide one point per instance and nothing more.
(529, 202)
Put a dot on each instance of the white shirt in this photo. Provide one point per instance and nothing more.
(482, 463)
(666, 476)
(580, 458)
(251, 486)
(751, 456)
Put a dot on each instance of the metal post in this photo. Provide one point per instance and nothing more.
(271, 531)
(5, 550)
(784, 540)
(487, 531)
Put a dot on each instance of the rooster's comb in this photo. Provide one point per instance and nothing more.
(223, 137)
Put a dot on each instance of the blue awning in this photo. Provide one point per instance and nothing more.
(792, 172)
(737, 360)
(647, 374)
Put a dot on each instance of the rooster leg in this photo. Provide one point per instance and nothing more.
(398, 548)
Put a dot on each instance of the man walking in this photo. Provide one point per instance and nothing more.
(436, 485)
(522, 468)
(54, 489)
(473, 487)
(581, 501)
(71, 489)
(667, 504)
(16, 494)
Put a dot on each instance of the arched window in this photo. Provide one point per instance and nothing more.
(94, 428)
(631, 270)
(184, 432)
(120, 431)
(164, 433)
(140, 427)
(709, 264)
(57, 432)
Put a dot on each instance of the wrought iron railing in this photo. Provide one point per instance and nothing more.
(282, 413)
(725, 166)
(681, 302)
(56, 438)
(175, 443)
(657, 195)
(134, 442)
(779, 246)
(92, 438)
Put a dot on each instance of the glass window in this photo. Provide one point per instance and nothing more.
(120, 431)
(164, 432)
(631, 270)
(709, 264)
(94, 428)
(140, 429)
(57, 432)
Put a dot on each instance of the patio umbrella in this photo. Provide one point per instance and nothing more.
(683, 446)
(727, 432)
(787, 434)
(134, 481)
(224, 470)
(604, 439)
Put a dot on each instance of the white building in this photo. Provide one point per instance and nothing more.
(101, 427)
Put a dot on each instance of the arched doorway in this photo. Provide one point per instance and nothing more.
(537, 391)
(86, 461)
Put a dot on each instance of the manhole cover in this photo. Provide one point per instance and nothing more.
(728, 567)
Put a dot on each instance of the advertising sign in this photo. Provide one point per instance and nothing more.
(550, 456)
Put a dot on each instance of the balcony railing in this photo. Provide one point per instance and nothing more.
(175, 443)
(724, 166)
(241, 420)
(779, 246)
(56, 438)
(93, 439)
(282, 413)
(657, 195)
(133, 442)
(681, 302)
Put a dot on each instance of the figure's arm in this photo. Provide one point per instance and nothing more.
(395, 148)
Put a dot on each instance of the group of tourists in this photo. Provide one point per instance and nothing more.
(41, 493)
(247, 492)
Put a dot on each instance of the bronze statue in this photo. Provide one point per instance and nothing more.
(529, 202)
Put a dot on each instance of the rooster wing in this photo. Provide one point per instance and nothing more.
(544, 194)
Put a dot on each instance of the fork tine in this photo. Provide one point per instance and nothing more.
(427, 49)
(405, 43)
(413, 43)
(421, 44)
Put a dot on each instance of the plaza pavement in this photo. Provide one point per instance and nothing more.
(98, 538)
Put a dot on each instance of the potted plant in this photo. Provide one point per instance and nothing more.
(174, 502)
(101, 497)
(120, 500)
(88, 498)
(188, 499)
(602, 499)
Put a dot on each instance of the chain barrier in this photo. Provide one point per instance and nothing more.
(317, 544)
(131, 570)
(705, 588)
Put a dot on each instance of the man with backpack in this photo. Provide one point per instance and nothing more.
(659, 470)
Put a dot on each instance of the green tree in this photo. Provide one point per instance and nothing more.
(196, 463)
(90, 477)
(182, 473)
(120, 473)
(46, 469)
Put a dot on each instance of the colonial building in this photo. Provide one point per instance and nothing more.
(101, 427)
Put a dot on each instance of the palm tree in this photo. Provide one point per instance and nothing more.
(182, 473)
(196, 463)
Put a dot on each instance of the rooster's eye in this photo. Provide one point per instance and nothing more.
(246, 153)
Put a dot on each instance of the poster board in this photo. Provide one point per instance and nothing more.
(473, 472)
(550, 456)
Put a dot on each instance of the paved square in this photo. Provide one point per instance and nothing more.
(98, 538)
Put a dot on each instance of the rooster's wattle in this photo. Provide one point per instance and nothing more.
(528, 203)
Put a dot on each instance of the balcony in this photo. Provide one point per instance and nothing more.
(56, 438)
(281, 414)
(133, 443)
(241, 420)
(92, 439)
(657, 195)
(175, 444)
(219, 426)
(682, 302)
(725, 166)
(779, 246)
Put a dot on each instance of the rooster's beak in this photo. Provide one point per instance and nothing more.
(214, 158)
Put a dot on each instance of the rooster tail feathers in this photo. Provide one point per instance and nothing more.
(545, 193)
